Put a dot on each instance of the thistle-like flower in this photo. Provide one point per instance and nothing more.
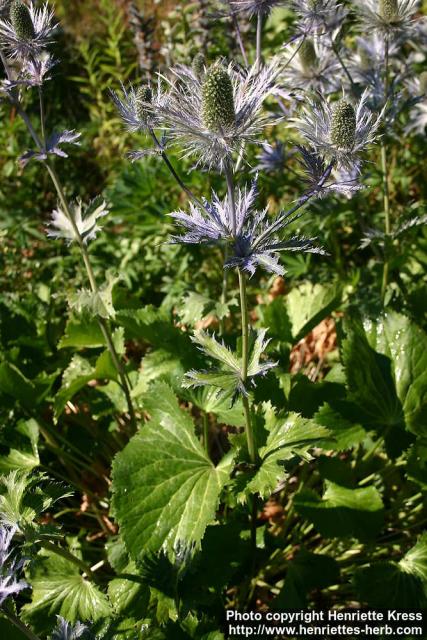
(255, 241)
(417, 88)
(338, 132)
(320, 180)
(28, 30)
(9, 567)
(85, 220)
(252, 7)
(138, 105)
(53, 146)
(391, 18)
(213, 116)
(318, 16)
(215, 223)
(272, 157)
(66, 631)
(313, 66)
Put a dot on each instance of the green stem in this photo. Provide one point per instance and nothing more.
(342, 63)
(386, 194)
(67, 555)
(94, 287)
(245, 361)
(19, 625)
(172, 170)
(55, 179)
(206, 432)
(259, 26)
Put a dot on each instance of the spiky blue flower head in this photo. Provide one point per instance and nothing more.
(216, 115)
(316, 16)
(253, 241)
(28, 31)
(64, 630)
(9, 567)
(252, 7)
(338, 132)
(391, 18)
(137, 106)
(20, 19)
(312, 66)
(218, 111)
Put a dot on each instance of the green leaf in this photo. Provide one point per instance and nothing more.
(82, 332)
(165, 488)
(22, 444)
(370, 379)
(397, 337)
(78, 373)
(24, 496)
(305, 572)
(58, 588)
(401, 585)
(344, 434)
(100, 304)
(228, 376)
(275, 316)
(129, 597)
(9, 631)
(309, 304)
(211, 401)
(343, 512)
(196, 307)
(287, 438)
(14, 383)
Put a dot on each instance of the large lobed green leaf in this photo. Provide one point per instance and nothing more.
(58, 588)
(343, 512)
(165, 488)
(401, 585)
(401, 340)
(287, 437)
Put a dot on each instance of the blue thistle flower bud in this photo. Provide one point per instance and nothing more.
(343, 125)
(307, 54)
(21, 20)
(388, 9)
(144, 96)
(218, 110)
(198, 65)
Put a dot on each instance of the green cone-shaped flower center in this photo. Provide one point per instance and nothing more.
(21, 20)
(198, 65)
(144, 96)
(307, 54)
(423, 83)
(343, 126)
(389, 9)
(218, 111)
